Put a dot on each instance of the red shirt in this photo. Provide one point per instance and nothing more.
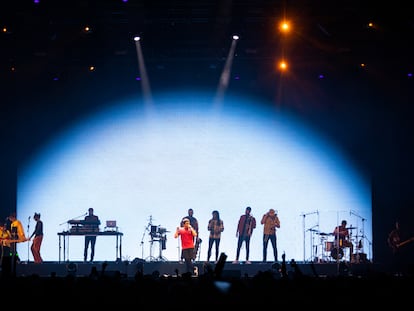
(187, 239)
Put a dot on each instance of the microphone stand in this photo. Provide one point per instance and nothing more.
(83, 215)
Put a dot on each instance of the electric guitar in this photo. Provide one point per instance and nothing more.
(395, 246)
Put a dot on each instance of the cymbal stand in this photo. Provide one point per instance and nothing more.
(360, 249)
(363, 233)
(370, 247)
(304, 231)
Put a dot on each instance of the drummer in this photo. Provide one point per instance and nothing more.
(341, 234)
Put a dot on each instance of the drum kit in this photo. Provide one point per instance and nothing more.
(157, 234)
(336, 250)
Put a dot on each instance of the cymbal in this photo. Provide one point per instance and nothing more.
(313, 230)
(352, 228)
(323, 233)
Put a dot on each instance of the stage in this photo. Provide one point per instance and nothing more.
(129, 269)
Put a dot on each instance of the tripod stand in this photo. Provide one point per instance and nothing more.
(157, 234)
(162, 240)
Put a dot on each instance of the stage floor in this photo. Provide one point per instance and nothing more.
(170, 268)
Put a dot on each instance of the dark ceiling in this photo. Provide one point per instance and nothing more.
(48, 37)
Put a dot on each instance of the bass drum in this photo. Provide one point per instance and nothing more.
(337, 253)
(329, 246)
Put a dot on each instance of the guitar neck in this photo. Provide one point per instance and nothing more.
(405, 242)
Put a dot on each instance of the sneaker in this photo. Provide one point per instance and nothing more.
(248, 262)
(235, 262)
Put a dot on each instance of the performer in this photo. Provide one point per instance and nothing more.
(37, 236)
(397, 241)
(194, 225)
(341, 240)
(92, 223)
(394, 237)
(270, 222)
(244, 232)
(17, 236)
(16, 229)
(192, 219)
(5, 237)
(215, 227)
(187, 235)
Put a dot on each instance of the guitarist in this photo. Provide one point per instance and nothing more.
(5, 237)
(394, 238)
(16, 230)
(395, 242)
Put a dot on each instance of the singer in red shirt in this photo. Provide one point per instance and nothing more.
(187, 235)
